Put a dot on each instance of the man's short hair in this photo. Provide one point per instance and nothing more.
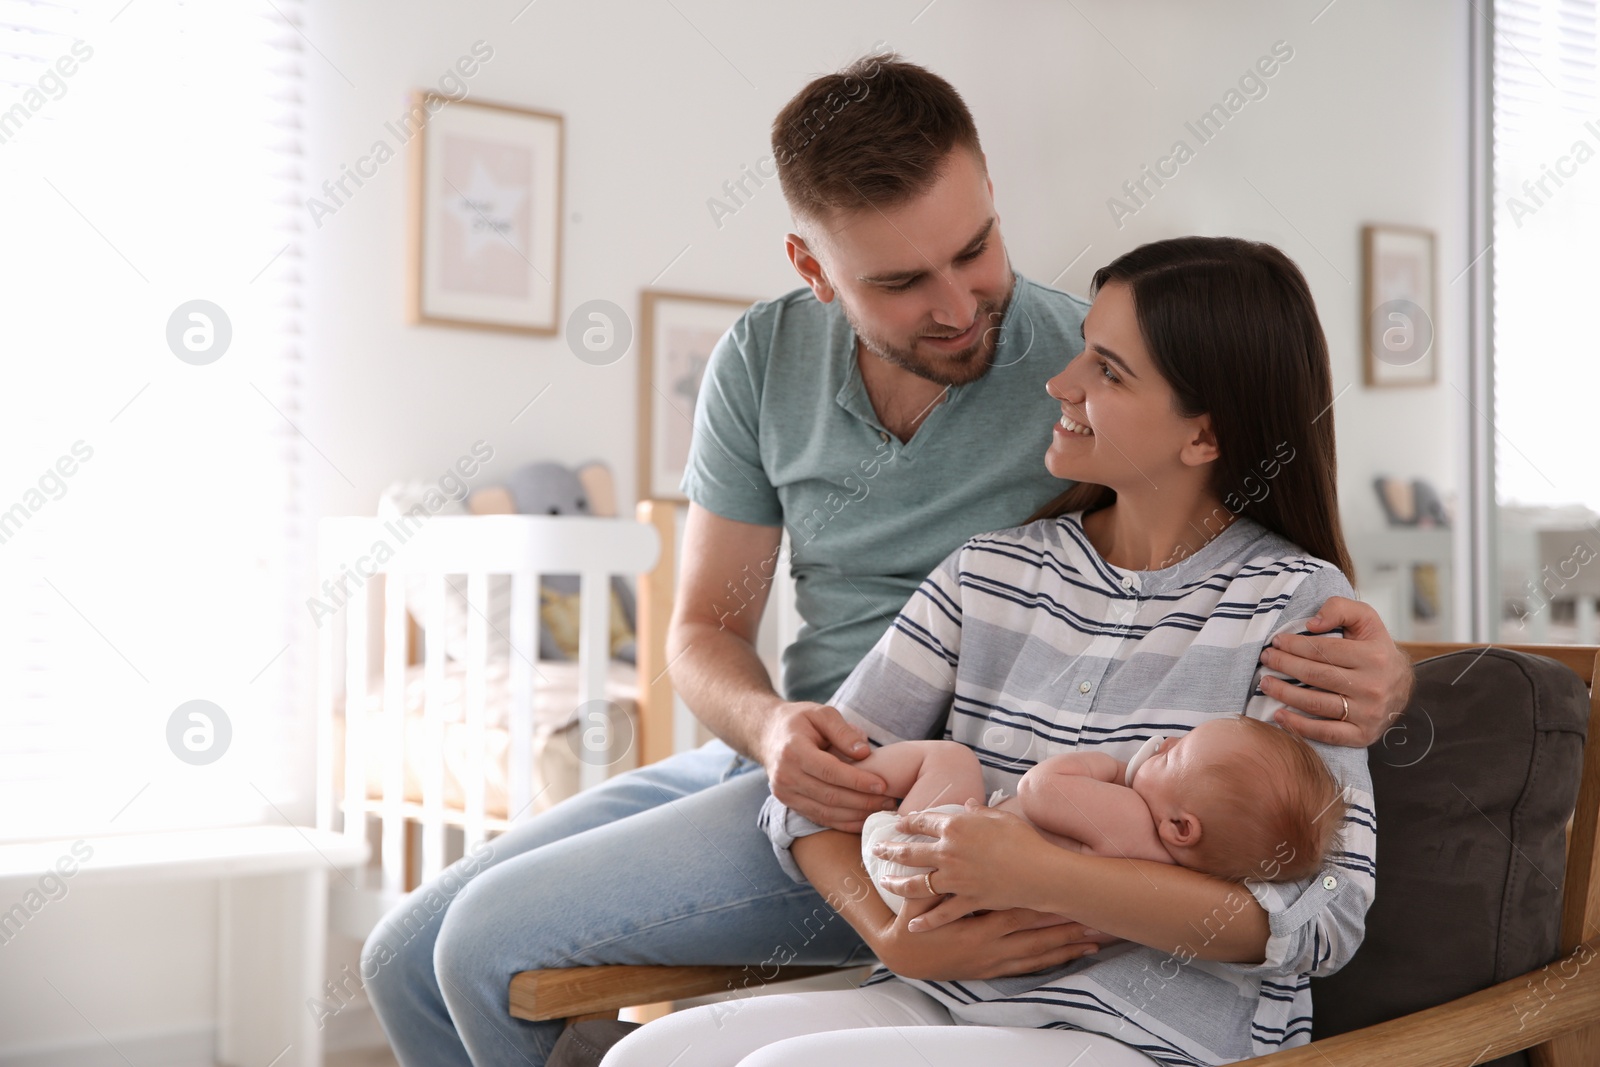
(876, 133)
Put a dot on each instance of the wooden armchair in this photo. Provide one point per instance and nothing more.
(1552, 1011)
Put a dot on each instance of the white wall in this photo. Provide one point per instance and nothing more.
(1366, 123)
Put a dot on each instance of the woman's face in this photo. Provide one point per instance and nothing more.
(1119, 424)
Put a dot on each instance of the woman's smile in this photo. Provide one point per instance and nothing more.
(1066, 427)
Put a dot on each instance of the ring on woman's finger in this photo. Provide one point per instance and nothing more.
(927, 880)
(1346, 702)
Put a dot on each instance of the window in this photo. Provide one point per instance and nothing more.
(1546, 137)
(149, 156)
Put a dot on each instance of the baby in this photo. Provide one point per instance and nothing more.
(1234, 797)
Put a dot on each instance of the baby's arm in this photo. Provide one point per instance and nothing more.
(1079, 795)
(1096, 765)
(927, 773)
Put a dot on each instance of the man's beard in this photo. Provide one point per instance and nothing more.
(957, 368)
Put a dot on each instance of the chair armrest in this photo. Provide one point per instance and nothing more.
(562, 993)
(1557, 999)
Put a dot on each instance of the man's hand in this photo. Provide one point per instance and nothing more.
(812, 780)
(1367, 668)
(993, 944)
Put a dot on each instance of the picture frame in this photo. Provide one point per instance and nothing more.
(485, 216)
(1399, 306)
(677, 333)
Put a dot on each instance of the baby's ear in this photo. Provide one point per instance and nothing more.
(1182, 830)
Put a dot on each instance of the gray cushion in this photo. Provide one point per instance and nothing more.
(1474, 785)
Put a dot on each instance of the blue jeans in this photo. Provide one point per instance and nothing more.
(661, 865)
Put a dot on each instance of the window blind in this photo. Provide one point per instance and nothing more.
(150, 159)
(1546, 115)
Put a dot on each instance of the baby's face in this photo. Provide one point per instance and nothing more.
(1168, 778)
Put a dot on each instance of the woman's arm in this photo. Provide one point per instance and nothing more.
(992, 945)
(990, 859)
(1319, 922)
(993, 859)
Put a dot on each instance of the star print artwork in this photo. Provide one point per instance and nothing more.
(485, 217)
(486, 235)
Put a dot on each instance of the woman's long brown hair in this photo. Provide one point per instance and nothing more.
(1232, 327)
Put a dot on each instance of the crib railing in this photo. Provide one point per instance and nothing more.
(366, 563)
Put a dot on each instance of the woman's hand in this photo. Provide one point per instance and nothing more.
(801, 749)
(995, 944)
(982, 859)
(1366, 668)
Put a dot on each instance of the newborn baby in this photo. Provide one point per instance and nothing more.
(1234, 797)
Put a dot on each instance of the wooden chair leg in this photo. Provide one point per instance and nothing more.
(645, 1013)
(411, 881)
(1568, 1050)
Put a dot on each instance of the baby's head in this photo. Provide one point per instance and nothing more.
(1240, 798)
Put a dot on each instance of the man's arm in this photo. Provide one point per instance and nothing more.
(727, 571)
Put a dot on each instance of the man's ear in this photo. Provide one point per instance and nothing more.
(1181, 830)
(1201, 448)
(808, 266)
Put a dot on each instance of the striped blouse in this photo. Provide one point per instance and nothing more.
(1026, 643)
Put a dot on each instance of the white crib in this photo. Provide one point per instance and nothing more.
(377, 561)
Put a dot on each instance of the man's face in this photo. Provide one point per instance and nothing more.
(926, 283)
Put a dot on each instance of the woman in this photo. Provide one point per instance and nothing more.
(1204, 523)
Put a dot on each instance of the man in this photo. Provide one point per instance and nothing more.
(883, 414)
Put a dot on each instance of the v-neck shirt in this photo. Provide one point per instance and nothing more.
(786, 435)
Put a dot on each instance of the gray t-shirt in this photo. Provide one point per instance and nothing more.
(785, 435)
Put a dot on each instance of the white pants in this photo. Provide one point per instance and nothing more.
(890, 1024)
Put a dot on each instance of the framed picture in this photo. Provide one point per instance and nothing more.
(679, 331)
(1398, 306)
(485, 217)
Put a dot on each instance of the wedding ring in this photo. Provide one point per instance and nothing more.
(927, 880)
(1346, 702)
